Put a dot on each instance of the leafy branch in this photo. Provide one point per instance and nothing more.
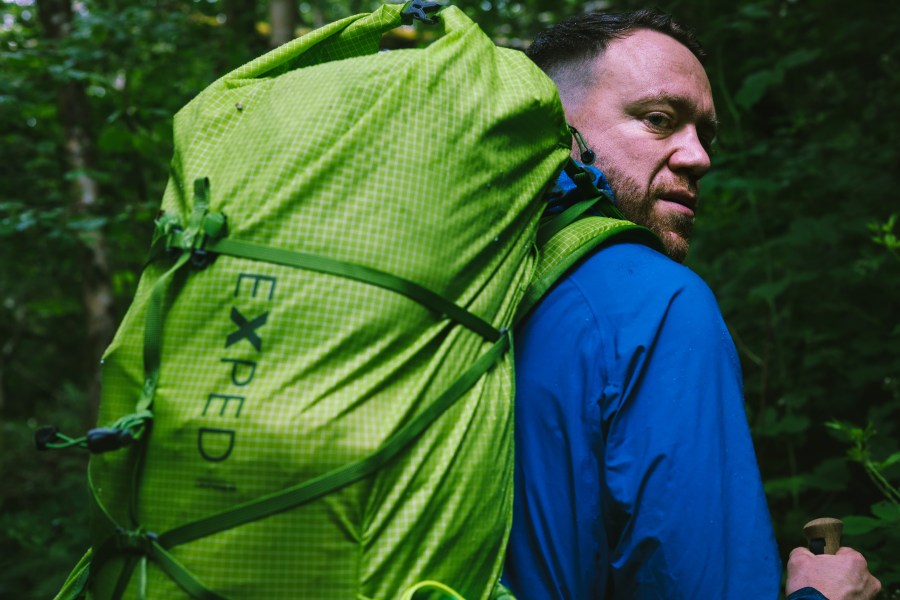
(861, 453)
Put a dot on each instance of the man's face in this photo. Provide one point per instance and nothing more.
(648, 114)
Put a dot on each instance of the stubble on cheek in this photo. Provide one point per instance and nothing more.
(674, 229)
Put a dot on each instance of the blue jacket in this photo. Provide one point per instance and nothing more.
(635, 473)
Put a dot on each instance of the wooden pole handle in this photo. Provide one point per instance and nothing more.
(824, 535)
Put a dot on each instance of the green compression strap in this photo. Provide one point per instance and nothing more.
(577, 241)
(165, 561)
(322, 264)
(152, 351)
(181, 575)
(430, 590)
(153, 323)
(155, 547)
(557, 223)
(75, 583)
(194, 239)
(153, 331)
(125, 577)
(333, 480)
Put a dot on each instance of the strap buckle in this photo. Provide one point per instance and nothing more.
(420, 9)
(212, 226)
(135, 541)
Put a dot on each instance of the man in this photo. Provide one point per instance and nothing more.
(635, 474)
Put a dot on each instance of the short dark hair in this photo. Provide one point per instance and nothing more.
(586, 36)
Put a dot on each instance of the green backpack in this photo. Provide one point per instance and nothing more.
(311, 394)
(312, 384)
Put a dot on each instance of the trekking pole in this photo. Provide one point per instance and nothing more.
(824, 535)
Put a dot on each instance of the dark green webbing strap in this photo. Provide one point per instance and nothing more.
(195, 235)
(76, 583)
(202, 236)
(153, 325)
(131, 561)
(150, 550)
(569, 246)
(180, 575)
(201, 226)
(155, 547)
(331, 266)
(557, 223)
(310, 490)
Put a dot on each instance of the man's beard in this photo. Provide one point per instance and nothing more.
(673, 228)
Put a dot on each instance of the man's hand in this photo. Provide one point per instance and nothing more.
(842, 576)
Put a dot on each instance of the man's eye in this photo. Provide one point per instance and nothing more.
(658, 120)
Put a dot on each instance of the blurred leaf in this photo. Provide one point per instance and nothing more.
(755, 86)
(856, 525)
(87, 223)
(890, 461)
(830, 476)
(887, 512)
(115, 139)
(768, 292)
(796, 232)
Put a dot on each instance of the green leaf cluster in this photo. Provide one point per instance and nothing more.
(797, 233)
(796, 237)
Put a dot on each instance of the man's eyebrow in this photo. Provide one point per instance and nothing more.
(705, 121)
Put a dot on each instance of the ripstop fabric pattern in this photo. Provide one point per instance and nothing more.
(425, 163)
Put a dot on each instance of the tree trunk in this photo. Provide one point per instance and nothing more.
(74, 116)
(283, 17)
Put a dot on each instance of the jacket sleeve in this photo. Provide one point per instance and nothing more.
(636, 475)
(682, 497)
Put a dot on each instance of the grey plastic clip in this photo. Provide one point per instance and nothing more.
(420, 9)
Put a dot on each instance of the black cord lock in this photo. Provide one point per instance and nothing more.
(107, 439)
(588, 156)
(45, 436)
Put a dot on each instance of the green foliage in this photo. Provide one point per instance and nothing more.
(796, 234)
(877, 533)
(43, 508)
(883, 234)
(138, 63)
(804, 164)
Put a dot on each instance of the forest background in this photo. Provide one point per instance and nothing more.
(797, 231)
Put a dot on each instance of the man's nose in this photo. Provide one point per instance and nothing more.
(690, 156)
